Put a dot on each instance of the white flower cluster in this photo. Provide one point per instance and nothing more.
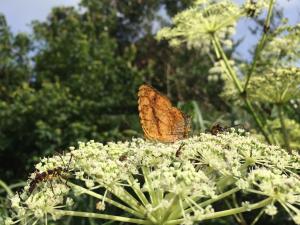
(196, 25)
(293, 129)
(276, 85)
(217, 71)
(254, 7)
(168, 186)
(283, 49)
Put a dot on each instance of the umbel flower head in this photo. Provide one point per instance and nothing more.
(277, 86)
(195, 26)
(292, 127)
(156, 183)
(283, 48)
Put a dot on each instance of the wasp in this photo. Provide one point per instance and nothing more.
(49, 175)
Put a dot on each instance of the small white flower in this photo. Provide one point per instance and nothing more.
(271, 210)
(242, 184)
(100, 206)
(15, 201)
(8, 221)
(69, 202)
(246, 204)
(89, 183)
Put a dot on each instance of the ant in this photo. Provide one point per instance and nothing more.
(49, 175)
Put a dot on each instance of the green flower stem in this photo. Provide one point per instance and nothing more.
(148, 182)
(239, 87)
(257, 120)
(173, 206)
(12, 186)
(261, 43)
(91, 206)
(258, 217)
(283, 128)
(236, 216)
(219, 197)
(110, 201)
(227, 65)
(176, 213)
(125, 196)
(240, 215)
(6, 188)
(60, 212)
(228, 212)
(138, 191)
(154, 195)
(130, 200)
(241, 209)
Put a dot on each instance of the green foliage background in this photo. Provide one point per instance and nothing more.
(76, 76)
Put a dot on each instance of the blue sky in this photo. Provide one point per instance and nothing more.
(19, 14)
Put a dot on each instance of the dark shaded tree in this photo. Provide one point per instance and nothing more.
(79, 81)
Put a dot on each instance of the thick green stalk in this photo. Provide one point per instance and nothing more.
(228, 212)
(231, 72)
(108, 200)
(138, 191)
(152, 193)
(187, 209)
(60, 212)
(283, 128)
(239, 87)
(173, 206)
(138, 210)
(12, 186)
(257, 120)
(257, 217)
(6, 188)
(261, 43)
(241, 209)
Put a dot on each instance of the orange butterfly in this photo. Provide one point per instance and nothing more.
(159, 119)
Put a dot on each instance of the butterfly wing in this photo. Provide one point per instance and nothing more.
(159, 119)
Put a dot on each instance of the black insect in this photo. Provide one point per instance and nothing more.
(123, 157)
(217, 128)
(43, 176)
(49, 175)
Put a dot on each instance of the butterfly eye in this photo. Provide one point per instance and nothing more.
(159, 119)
